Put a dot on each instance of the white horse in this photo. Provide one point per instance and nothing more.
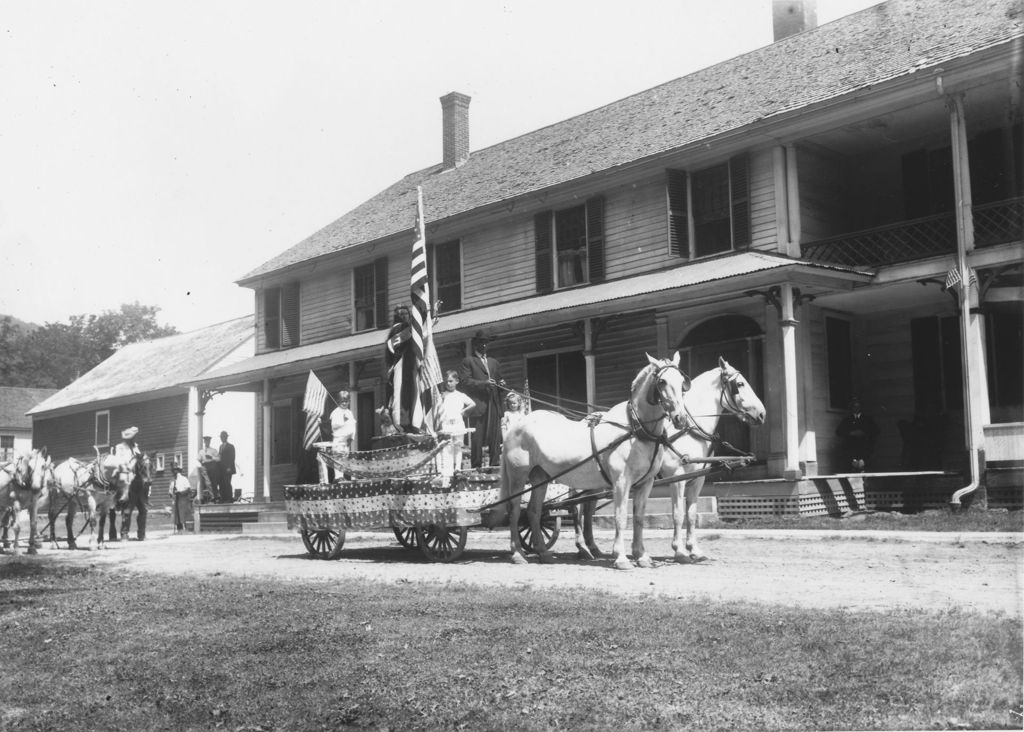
(720, 391)
(97, 488)
(22, 487)
(622, 450)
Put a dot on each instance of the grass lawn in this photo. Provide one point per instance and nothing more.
(88, 649)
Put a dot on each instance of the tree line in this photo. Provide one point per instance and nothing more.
(55, 354)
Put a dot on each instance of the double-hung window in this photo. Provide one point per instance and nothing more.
(101, 433)
(445, 269)
(709, 209)
(569, 245)
(281, 316)
(370, 295)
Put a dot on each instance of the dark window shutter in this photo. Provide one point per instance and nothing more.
(380, 288)
(678, 214)
(595, 238)
(272, 317)
(739, 191)
(542, 243)
(290, 315)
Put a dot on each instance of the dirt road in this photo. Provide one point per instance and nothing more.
(855, 570)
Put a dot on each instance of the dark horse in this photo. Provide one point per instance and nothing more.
(138, 499)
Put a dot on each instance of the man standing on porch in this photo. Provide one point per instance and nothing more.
(859, 433)
(480, 377)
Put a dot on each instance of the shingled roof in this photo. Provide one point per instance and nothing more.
(15, 401)
(150, 366)
(881, 43)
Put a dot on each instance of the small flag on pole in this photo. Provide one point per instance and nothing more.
(313, 406)
(953, 277)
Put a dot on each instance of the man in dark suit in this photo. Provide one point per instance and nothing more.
(859, 433)
(480, 377)
(227, 469)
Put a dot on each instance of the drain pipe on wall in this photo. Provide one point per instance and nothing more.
(964, 237)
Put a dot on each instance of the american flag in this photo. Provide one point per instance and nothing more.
(421, 342)
(953, 277)
(313, 406)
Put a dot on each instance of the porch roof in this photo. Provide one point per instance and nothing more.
(743, 269)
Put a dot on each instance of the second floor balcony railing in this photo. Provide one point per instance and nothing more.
(994, 223)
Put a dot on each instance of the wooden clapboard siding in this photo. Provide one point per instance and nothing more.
(498, 263)
(619, 354)
(821, 193)
(326, 307)
(762, 202)
(636, 222)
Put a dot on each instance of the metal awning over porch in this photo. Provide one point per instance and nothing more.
(703, 281)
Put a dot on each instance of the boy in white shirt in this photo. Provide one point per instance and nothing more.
(180, 491)
(451, 422)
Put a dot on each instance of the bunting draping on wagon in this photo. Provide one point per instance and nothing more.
(398, 502)
(416, 456)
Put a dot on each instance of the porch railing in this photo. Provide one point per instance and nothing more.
(994, 223)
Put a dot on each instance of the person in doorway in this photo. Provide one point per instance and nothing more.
(209, 470)
(480, 377)
(859, 433)
(226, 458)
(451, 423)
(180, 491)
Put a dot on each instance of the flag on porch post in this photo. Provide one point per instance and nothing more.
(953, 278)
(313, 406)
(428, 370)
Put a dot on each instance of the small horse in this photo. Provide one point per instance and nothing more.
(721, 390)
(623, 449)
(138, 498)
(22, 485)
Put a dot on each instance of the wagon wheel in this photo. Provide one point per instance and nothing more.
(323, 543)
(549, 528)
(441, 543)
(406, 537)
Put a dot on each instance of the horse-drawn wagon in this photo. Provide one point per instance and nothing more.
(614, 456)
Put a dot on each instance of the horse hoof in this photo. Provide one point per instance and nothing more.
(518, 558)
(33, 550)
(597, 553)
(583, 553)
(623, 563)
(547, 558)
(645, 562)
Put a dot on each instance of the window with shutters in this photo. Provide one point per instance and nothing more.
(101, 433)
(709, 209)
(445, 268)
(281, 316)
(570, 246)
(6, 447)
(370, 295)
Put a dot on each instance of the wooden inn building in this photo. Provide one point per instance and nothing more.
(804, 210)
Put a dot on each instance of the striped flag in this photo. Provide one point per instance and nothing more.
(313, 406)
(953, 277)
(421, 342)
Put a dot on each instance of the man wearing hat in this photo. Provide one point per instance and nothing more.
(480, 377)
(180, 491)
(128, 454)
(209, 470)
(226, 460)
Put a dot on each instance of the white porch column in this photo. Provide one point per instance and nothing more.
(266, 429)
(588, 359)
(193, 438)
(791, 470)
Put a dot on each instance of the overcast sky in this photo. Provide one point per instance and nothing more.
(158, 151)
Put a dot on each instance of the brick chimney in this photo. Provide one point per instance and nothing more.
(790, 17)
(455, 129)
